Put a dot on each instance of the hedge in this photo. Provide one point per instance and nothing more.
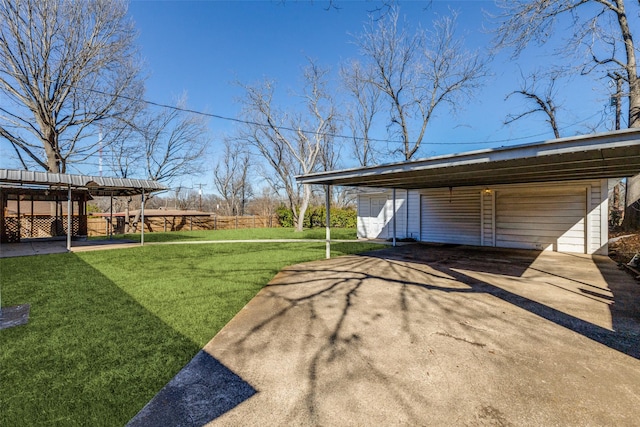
(315, 217)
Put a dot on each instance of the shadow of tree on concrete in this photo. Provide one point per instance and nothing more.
(385, 324)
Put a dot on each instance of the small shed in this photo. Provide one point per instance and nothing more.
(67, 196)
(550, 195)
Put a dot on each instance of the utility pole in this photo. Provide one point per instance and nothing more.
(615, 99)
(200, 194)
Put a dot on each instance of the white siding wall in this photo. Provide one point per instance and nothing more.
(488, 218)
(401, 214)
(363, 215)
(598, 218)
(413, 206)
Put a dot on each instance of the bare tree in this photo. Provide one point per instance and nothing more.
(265, 204)
(601, 33)
(417, 73)
(361, 112)
(123, 154)
(231, 178)
(164, 145)
(542, 102)
(174, 143)
(291, 143)
(65, 66)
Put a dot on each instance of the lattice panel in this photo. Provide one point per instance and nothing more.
(11, 228)
(40, 226)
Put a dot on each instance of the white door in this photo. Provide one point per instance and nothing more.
(546, 219)
(451, 216)
(378, 217)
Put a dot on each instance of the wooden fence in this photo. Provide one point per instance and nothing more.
(100, 226)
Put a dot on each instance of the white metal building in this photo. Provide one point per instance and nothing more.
(568, 216)
(545, 196)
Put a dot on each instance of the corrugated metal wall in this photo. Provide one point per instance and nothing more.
(563, 216)
(451, 216)
(544, 219)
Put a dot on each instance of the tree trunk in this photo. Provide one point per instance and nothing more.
(631, 221)
(126, 216)
(632, 210)
(303, 207)
(136, 220)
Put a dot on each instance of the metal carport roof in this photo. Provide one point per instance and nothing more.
(96, 185)
(606, 155)
(16, 182)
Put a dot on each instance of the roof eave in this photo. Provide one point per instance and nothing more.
(610, 155)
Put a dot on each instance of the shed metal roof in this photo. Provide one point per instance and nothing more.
(606, 155)
(96, 185)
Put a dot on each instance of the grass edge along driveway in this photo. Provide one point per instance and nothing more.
(108, 329)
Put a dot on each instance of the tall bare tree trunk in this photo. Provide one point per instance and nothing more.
(303, 207)
(631, 221)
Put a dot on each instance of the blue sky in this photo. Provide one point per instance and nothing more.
(202, 47)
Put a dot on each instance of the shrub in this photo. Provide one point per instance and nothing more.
(315, 217)
(285, 217)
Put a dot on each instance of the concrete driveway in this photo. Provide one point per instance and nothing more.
(428, 335)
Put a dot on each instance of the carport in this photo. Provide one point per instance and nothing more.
(23, 185)
(576, 167)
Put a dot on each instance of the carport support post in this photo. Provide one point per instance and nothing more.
(394, 216)
(111, 216)
(69, 206)
(327, 206)
(142, 220)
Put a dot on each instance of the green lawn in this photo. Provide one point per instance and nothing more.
(241, 234)
(108, 329)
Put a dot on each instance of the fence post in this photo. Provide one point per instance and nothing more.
(236, 222)
(31, 232)
(18, 210)
(190, 223)
(69, 213)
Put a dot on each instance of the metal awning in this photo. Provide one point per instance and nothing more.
(606, 155)
(96, 185)
(17, 182)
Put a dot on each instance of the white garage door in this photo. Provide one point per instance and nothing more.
(451, 217)
(549, 220)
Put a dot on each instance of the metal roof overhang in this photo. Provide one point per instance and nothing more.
(607, 155)
(95, 185)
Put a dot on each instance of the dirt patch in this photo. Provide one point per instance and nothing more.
(625, 248)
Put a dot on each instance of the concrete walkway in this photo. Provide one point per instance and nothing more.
(43, 247)
(422, 335)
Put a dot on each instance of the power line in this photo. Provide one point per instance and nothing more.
(333, 135)
(310, 132)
